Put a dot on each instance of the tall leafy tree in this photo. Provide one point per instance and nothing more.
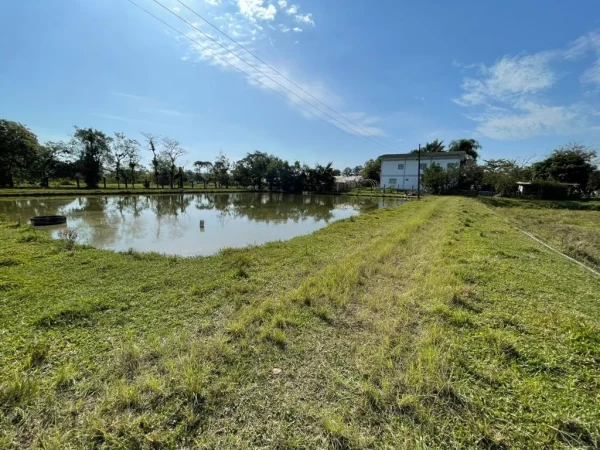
(572, 163)
(48, 160)
(470, 146)
(436, 146)
(152, 142)
(117, 154)
(220, 169)
(503, 174)
(348, 172)
(132, 152)
(436, 180)
(172, 151)
(203, 171)
(372, 169)
(93, 148)
(18, 151)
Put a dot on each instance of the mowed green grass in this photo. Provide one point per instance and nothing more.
(570, 226)
(434, 324)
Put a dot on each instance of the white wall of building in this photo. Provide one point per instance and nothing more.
(402, 173)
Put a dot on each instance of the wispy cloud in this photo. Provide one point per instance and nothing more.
(305, 18)
(510, 99)
(257, 10)
(126, 119)
(256, 20)
(130, 96)
(509, 78)
(166, 112)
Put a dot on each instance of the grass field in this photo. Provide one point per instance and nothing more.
(572, 227)
(434, 324)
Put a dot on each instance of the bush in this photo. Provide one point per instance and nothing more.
(551, 190)
(69, 236)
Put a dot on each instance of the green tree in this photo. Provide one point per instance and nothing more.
(470, 146)
(93, 148)
(152, 141)
(203, 170)
(503, 174)
(471, 175)
(48, 160)
(436, 180)
(348, 172)
(572, 163)
(436, 146)
(372, 169)
(132, 152)
(171, 152)
(117, 154)
(220, 170)
(18, 151)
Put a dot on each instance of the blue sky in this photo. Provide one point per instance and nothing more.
(522, 77)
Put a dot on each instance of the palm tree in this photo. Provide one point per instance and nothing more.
(434, 147)
(469, 146)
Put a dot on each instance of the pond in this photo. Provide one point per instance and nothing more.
(170, 224)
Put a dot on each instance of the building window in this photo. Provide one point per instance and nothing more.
(392, 181)
(423, 166)
(452, 165)
(400, 166)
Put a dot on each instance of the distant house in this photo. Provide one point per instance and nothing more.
(401, 171)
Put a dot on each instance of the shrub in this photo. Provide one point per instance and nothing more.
(69, 236)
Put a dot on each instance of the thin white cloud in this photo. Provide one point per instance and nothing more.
(510, 99)
(305, 18)
(256, 10)
(263, 77)
(282, 3)
(284, 29)
(166, 112)
(297, 30)
(213, 2)
(532, 119)
(140, 98)
(176, 9)
(292, 10)
(508, 78)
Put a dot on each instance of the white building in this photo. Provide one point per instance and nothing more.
(400, 171)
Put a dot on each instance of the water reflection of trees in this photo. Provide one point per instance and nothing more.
(110, 221)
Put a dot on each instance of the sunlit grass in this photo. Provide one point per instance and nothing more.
(430, 325)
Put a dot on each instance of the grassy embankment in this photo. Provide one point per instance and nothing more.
(433, 324)
(572, 227)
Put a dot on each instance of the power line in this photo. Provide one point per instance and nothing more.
(266, 75)
(194, 41)
(344, 127)
(278, 72)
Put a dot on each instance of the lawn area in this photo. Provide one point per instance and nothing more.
(570, 226)
(434, 324)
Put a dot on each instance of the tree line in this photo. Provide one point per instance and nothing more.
(91, 156)
(573, 163)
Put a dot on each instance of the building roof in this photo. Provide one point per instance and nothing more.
(411, 155)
